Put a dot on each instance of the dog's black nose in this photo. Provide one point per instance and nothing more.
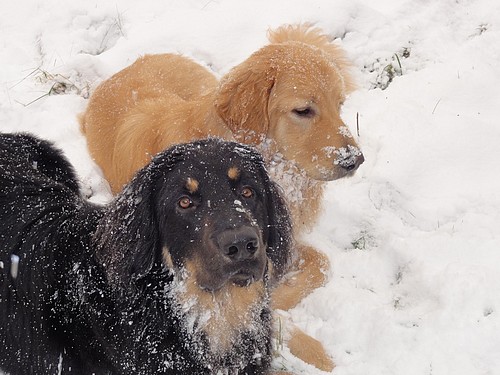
(352, 162)
(239, 244)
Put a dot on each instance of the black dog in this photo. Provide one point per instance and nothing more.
(171, 277)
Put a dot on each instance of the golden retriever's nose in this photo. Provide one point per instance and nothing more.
(239, 244)
(352, 162)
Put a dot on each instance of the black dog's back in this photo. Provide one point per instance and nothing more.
(37, 159)
(37, 183)
(39, 200)
(35, 180)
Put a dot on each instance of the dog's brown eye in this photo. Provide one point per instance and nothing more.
(304, 112)
(246, 192)
(185, 202)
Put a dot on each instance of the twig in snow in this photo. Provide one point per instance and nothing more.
(434, 110)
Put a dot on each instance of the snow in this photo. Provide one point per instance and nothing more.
(413, 237)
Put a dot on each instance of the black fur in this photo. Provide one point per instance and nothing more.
(93, 292)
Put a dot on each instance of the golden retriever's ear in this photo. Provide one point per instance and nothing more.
(243, 96)
(308, 34)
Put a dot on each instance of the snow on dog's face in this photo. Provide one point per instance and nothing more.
(217, 223)
(208, 213)
(215, 215)
(304, 108)
(289, 94)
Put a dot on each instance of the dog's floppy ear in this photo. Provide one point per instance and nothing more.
(243, 96)
(280, 238)
(127, 238)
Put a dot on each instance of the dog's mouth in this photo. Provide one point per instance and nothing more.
(242, 278)
(343, 162)
(327, 164)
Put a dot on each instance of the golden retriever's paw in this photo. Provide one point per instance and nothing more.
(291, 340)
(310, 351)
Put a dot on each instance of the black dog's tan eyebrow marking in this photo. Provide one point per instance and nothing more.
(192, 185)
(233, 173)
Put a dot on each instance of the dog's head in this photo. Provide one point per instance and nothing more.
(207, 209)
(290, 94)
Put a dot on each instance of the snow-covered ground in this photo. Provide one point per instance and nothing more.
(413, 237)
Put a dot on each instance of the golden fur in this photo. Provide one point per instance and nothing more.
(285, 99)
(220, 314)
(309, 350)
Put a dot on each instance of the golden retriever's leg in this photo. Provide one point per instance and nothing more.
(301, 345)
(308, 273)
(309, 350)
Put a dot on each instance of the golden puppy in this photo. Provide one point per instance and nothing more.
(285, 99)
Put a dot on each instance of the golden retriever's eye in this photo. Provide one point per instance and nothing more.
(247, 192)
(185, 203)
(306, 112)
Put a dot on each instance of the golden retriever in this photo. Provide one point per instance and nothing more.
(285, 99)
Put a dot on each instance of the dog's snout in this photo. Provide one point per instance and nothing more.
(352, 162)
(239, 244)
